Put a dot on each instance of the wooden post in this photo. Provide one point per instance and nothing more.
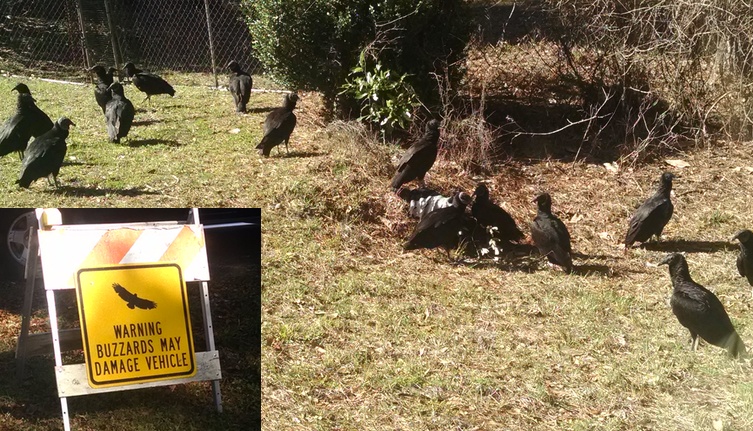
(113, 37)
(211, 43)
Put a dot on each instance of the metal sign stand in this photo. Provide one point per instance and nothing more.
(72, 378)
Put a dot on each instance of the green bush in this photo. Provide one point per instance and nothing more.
(387, 101)
(314, 44)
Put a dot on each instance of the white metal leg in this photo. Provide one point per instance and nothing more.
(56, 347)
(209, 334)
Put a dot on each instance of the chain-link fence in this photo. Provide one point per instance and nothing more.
(62, 38)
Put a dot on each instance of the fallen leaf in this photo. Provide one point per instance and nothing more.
(677, 163)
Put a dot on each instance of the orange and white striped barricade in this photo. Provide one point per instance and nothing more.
(130, 282)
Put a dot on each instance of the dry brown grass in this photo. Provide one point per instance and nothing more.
(358, 335)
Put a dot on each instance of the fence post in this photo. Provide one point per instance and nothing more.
(84, 46)
(113, 39)
(211, 43)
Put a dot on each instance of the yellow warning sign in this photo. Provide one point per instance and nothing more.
(135, 324)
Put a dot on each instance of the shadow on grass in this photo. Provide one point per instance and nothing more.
(148, 142)
(518, 258)
(146, 122)
(75, 163)
(93, 191)
(32, 396)
(681, 245)
(260, 109)
(591, 269)
(299, 154)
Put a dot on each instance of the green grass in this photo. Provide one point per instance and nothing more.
(180, 152)
(359, 335)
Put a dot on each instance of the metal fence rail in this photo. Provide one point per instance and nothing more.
(62, 38)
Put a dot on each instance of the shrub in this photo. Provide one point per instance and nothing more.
(314, 44)
(387, 101)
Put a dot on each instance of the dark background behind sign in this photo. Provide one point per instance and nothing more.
(235, 295)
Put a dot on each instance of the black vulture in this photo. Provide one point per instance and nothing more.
(440, 228)
(651, 217)
(101, 87)
(550, 235)
(279, 125)
(745, 259)
(132, 300)
(119, 114)
(45, 154)
(419, 158)
(28, 121)
(490, 215)
(147, 82)
(422, 201)
(240, 86)
(700, 310)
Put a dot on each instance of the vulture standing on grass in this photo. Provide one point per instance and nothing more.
(489, 215)
(119, 113)
(101, 87)
(240, 86)
(745, 258)
(550, 235)
(700, 310)
(440, 228)
(419, 158)
(147, 82)
(28, 121)
(45, 154)
(279, 125)
(651, 217)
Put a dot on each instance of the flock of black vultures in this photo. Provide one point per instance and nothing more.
(443, 222)
(44, 156)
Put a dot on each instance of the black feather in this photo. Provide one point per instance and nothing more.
(699, 310)
(745, 258)
(148, 83)
(45, 154)
(101, 88)
(240, 86)
(28, 121)
(278, 125)
(651, 217)
(119, 114)
(550, 235)
(419, 158)
(440, 227)
(491, 215)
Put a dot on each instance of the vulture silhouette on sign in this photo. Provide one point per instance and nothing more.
(132, 299)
